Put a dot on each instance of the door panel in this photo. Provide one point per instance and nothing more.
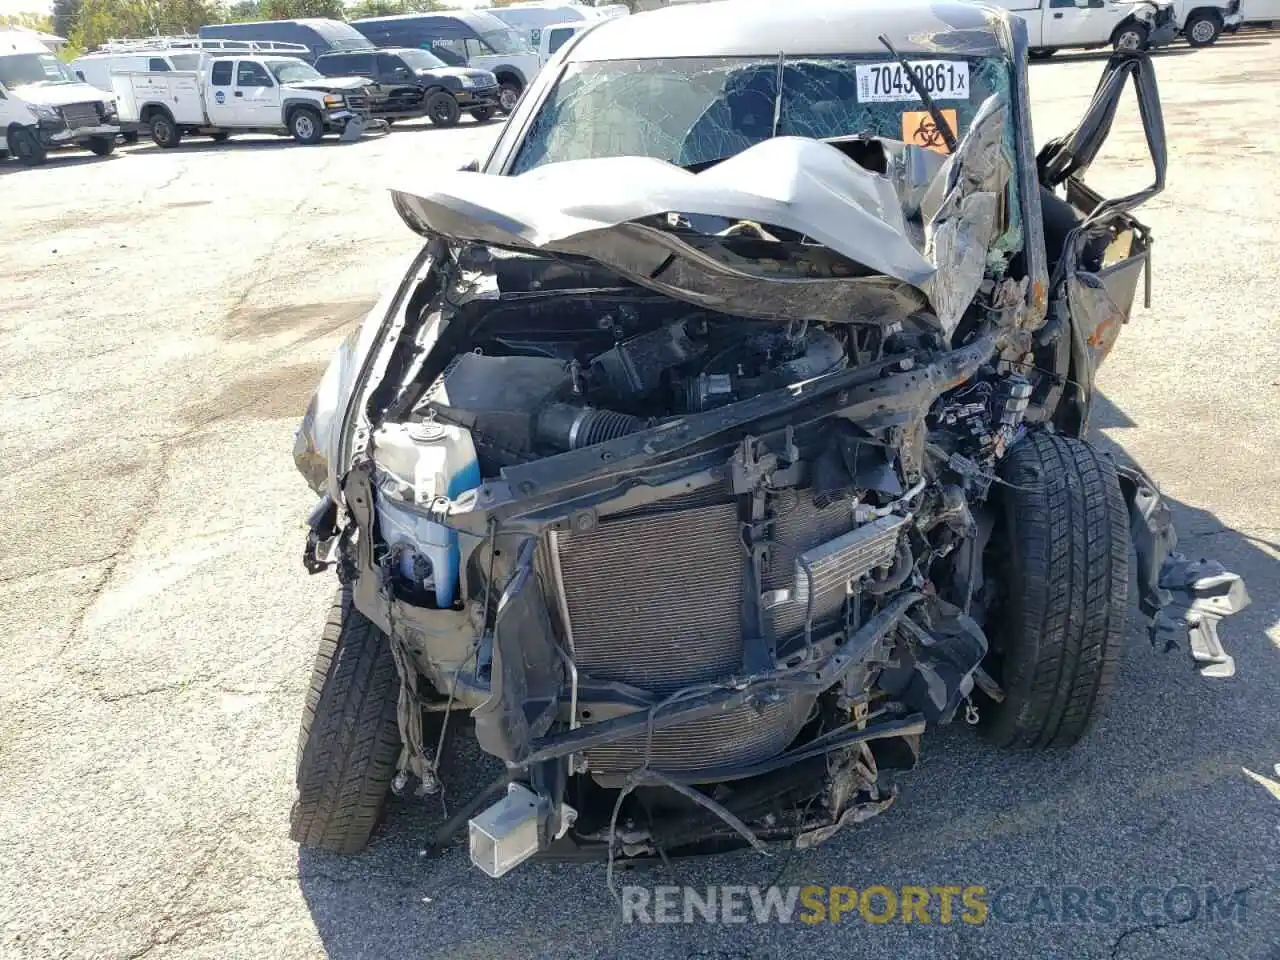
(1072, 23)
(257, 96)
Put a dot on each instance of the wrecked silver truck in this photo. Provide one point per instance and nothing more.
(727, 433)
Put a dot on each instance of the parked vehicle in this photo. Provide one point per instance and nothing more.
(462, 39)
(43, 106)
(257, 94)
(1201, 23)
(408, 82)
(162, 55)
(318, 35)
(554, 36)
(723, 438)
(1260, 13)
(1123, 24)
(530, 19)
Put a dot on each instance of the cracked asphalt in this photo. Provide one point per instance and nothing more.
(164, 316)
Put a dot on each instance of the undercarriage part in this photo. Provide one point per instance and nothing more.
(1179, 597)
(508, 833)
(1201, 593)
(1061, 558)
(742, 736)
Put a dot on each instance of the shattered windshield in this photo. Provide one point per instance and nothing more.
(691, 111)
(293, 71)
(695, 111)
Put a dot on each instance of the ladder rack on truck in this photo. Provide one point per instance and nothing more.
(202, 45)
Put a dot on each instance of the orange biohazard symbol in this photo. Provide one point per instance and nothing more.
(918, 128)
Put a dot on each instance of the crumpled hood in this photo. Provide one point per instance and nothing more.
(61, 94)
(927, 222)
(332, 84)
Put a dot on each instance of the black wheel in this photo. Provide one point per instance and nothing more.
(1202, 29)
(306, 125)
(26, 146)
(1059, 564)
(509, 95)
(482, 114)
(164, 131)
(222, 136)
(1130, 37)
(102, 146)
(129, 136)
(1041, 53)
(349, 740)
(442, 109)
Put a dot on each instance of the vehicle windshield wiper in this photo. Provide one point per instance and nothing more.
(944, 128)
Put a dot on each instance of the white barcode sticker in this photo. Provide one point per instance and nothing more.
(888, 82)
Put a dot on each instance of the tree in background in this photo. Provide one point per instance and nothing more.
(100, 20)
(65, 13)
(390, 8)
(292, 9)
(32, 21)
(244, 11)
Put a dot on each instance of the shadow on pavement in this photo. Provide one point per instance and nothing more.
(1155, 795)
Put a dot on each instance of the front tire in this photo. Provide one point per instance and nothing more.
(509, 95)
(26, 146)
(102, 146)
(1130, 37)
(349, 739)
(129, 136)
(306, 125)
(222, 136)
(482, 114)
(442, 109)
(1041, 53)
(1202, 29)
(164, 131)
(1059, 556)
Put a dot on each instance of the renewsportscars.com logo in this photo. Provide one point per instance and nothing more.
(972, 904)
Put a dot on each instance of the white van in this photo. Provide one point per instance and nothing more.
(43, 106)
(530, 19)
(554, 36)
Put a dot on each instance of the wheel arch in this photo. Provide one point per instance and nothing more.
(293, 104)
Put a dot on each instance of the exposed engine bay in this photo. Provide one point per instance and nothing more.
(702, 522)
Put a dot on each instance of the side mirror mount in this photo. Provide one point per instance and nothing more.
(471, 166)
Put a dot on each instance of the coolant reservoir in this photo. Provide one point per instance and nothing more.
(433, 460)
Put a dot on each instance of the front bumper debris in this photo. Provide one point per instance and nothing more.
(1181, 598)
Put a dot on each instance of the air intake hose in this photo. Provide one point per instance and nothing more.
(567, 427)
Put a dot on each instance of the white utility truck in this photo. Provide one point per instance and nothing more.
(164, 55)
(244, 94)
(43, 105)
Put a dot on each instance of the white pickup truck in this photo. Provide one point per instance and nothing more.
(1123, 24)
(244, 94)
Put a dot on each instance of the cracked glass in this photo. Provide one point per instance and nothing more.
(695, 111)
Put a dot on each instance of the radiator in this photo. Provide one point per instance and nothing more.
(656, 600)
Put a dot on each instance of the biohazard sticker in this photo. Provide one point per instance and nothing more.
(918, 128)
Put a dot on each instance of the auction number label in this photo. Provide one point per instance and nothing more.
(888, 82)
